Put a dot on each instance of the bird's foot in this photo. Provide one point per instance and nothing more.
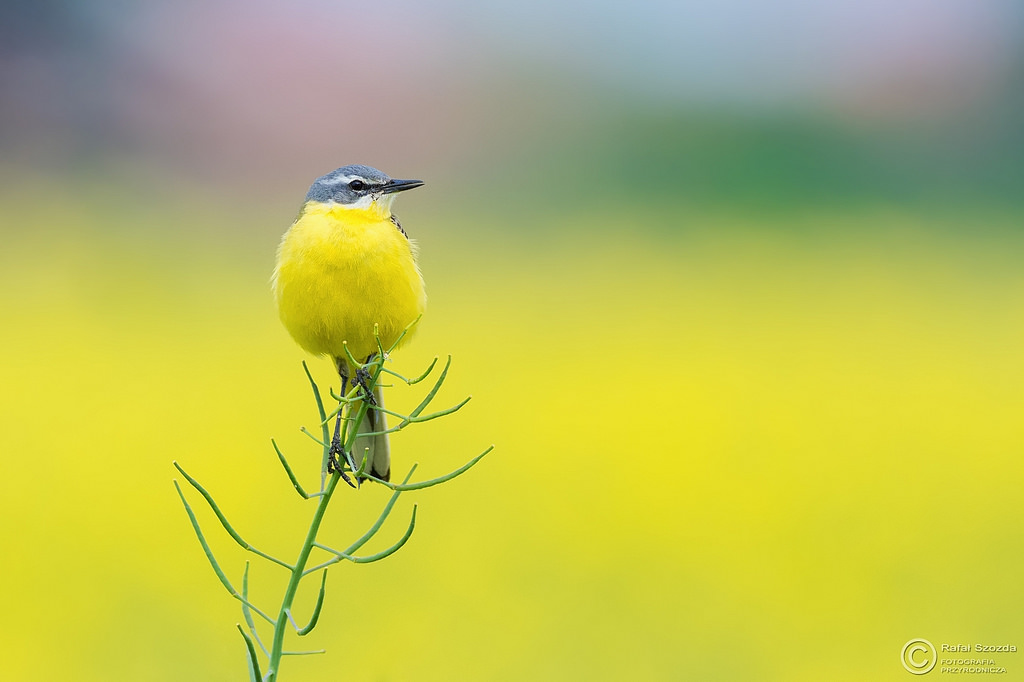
(335, 458)
(362, 380)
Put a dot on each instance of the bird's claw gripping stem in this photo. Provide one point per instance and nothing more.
(335, 457)
(362, 379)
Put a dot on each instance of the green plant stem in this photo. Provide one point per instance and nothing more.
(277, 648)
(358, 406)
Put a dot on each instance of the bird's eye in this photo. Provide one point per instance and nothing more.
(357, 185)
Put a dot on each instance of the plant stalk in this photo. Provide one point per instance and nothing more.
(277, 649)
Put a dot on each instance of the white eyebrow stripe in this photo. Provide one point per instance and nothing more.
(343, 179)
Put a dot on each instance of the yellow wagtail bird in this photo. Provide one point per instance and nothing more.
(344, 266)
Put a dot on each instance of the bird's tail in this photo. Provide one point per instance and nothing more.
(377, 449)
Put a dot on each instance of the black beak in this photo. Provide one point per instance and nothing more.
(400, 185)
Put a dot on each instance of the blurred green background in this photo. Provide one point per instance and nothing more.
(736, 288)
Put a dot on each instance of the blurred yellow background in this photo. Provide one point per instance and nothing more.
(736, 291)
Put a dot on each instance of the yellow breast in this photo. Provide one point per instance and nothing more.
(340, 271)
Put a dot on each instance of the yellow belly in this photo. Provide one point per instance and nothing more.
(342, 270)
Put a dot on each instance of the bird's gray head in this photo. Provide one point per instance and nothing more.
(358, 186)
